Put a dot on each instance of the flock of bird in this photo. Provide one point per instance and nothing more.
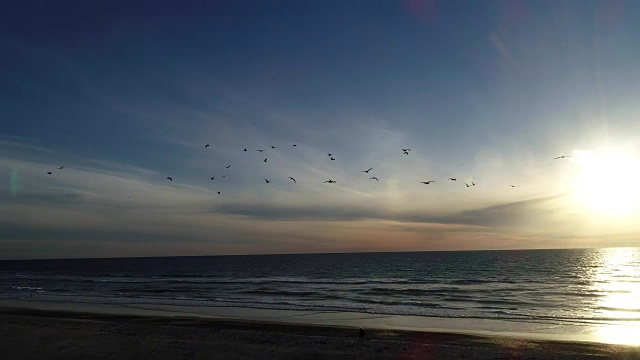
(332, 158)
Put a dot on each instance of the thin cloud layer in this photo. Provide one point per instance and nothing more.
(515, 214)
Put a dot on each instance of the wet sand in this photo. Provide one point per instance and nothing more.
(48, 334)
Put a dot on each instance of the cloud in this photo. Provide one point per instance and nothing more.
(502, 49)
(511, 214)
(62, 197)
(22, 144)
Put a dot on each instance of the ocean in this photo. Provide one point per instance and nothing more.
(578, 286)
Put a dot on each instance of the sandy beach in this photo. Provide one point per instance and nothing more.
(29, 333)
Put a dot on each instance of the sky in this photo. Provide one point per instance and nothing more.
(126, 94)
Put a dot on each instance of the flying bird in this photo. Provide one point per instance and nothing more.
(467, 185)
(169, 178)
(273, 147)
(294, 180)
(61, 167)
(367, 171)
(267, 181)
(245, 149)
(374, 178)
(330, 181)
(406, 153)
(265, 159)
(260, 150)
(333, 159)
(213, 177)
(49, 172)
(562, 157)
(406, 150)
(294, 145)
(218, 192)
(427, 182)
(329, 154)
(452, 179)
(206, 146)
(473, 184)
(512, 185)
(228, 166)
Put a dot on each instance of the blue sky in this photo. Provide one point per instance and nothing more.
(125, 95)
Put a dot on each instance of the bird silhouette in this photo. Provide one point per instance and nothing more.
(228, 166)
(213, 177)
(265, 159)
(562, 157)
(49, 172)
(245, 149)
(406, 153)
(467, 185)
(294, 145)
(330, 181)
(260, 150)
(169, 178)
(374, 178)
(329, 154)
(206, 146)
(453, 179)
(406, 150)
(294, 180)
(267, 181)
(218, 192)
(367, 171)
(273, 147)
(427, 182)
(61, 167)
(512, 185)
(333, 159)
(473, 184)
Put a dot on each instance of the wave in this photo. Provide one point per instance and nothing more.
(620, 309)
(279, 292)
(26, 288)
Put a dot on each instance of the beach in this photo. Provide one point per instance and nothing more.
(415, 306)
(28, 332)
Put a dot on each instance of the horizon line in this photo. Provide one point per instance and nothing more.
(314, 253)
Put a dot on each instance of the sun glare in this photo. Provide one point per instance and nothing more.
(607, 183)
(617, 278)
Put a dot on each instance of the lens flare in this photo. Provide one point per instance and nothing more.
(14, 183)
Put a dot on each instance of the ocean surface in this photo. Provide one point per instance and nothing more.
(584, 286)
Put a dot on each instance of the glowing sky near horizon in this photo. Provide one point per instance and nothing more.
(125, 95)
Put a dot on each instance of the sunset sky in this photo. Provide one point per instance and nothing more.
(126, 94)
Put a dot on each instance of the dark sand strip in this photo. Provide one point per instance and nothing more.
(40, 334)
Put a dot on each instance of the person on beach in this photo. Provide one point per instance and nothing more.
(361, 334)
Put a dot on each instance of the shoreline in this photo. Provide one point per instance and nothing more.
(547, 331)
(464, 326)
(31, 332)
(283, 334)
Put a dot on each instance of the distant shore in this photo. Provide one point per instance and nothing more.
(32, 331)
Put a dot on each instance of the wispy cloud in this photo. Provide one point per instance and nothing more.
(503, 215)
(19, 143)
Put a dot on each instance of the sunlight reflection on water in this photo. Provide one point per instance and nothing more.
(618, 276)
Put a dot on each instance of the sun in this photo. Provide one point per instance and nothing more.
(608, 182)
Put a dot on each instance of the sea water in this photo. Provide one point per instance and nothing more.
(578, 286)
